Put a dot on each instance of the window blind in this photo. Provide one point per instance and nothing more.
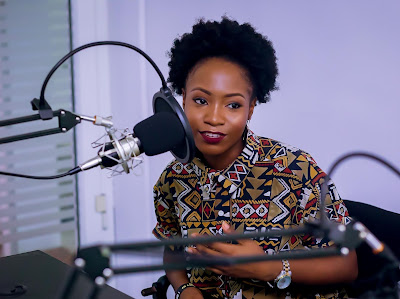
(35, 214)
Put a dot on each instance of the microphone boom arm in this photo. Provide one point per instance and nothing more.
(95, 260)
(66, 121)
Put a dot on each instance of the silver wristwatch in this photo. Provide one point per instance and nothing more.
(283, 280)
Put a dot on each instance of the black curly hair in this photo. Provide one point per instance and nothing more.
(228, 39)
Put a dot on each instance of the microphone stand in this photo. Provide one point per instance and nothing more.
(391, 272)
(97, 258)
(67, 120)
(162, 101)
(95, 261)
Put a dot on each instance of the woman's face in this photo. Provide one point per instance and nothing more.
(217, 101)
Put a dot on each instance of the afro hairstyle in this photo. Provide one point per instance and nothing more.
(238, 43)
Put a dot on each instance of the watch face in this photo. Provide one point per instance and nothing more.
(284, 282)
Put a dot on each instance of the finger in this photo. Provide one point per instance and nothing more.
(215, 270)
(229, 229)
(207, 250)
(201, 247)
(223, 248)
(192, 250)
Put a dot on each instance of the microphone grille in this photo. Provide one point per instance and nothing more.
(160, 133)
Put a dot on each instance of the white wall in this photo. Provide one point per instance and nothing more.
(339, 70)
(92, 97)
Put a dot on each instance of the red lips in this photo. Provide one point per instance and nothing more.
(212, 137)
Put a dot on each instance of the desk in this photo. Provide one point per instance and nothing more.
(43, 276)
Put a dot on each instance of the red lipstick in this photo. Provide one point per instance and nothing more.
(212, 137)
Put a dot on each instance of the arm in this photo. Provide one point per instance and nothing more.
(326, 270)
(167, 227)
(313, 271)
(179, 277)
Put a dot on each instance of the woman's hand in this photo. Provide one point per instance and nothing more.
(244, 247)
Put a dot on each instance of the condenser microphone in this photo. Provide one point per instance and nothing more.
(167, 130)
(155, 135)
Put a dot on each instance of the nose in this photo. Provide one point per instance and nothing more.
(214, 115)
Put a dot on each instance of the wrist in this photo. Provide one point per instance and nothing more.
(268, 270)
(182, 288)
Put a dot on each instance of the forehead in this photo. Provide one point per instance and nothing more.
(219, 74)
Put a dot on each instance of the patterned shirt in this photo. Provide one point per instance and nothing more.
(270, 185)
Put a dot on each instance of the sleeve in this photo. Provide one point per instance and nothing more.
(309, 202)
(167, 220)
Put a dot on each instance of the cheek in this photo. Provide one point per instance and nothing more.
(238, 122)
(192, 117)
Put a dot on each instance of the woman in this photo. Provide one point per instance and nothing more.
(239, 181)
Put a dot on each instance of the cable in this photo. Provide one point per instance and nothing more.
(70, 172)
(115, 43)
(362, 154)
(386, 279)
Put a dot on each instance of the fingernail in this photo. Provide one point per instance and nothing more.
(225, 225)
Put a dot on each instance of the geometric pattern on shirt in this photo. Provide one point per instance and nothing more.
(237, 172)
(277, 199)
(182, 189)
(208, 210)
(182, 169)
(249, 156)
(250, 210)
(272, 186)
(201, 278)
(269, 244)
(290, 243)
(186, 207)
(338, 212)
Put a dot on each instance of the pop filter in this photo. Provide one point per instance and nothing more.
(163, 101)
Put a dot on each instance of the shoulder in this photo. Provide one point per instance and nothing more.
(272, 149)
(289, 159)
(176, 169)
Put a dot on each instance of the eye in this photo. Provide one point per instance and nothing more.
(234, 105)
(200, 101)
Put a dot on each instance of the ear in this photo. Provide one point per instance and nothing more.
(251, 109)
(183, 98)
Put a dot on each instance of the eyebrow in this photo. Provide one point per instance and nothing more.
(226, 96)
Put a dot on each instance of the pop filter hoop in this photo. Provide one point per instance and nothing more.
(163, 101)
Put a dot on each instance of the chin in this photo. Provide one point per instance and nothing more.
(210, 150)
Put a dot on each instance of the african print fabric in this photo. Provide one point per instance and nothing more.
(270, 185)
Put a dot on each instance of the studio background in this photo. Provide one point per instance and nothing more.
(339, 91)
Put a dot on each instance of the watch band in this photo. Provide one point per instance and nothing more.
(182, 288)
(284, 278)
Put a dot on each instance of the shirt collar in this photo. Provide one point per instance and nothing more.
(232, 176)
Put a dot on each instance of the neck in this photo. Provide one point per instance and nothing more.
(222, 161)
(216, 164)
